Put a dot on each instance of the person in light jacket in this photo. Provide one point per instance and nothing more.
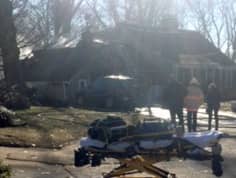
(192, 101)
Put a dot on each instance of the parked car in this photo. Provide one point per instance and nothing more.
(112, 92)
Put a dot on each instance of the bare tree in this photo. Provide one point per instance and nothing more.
(229, 13)
(8, 44)
(145, 12)
(42, 24)
(217, 21)
(63, 13)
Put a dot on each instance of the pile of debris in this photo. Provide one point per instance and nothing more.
(9, 118)
(5, 117)
(13, 97)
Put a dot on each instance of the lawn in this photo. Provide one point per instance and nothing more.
(49, 127)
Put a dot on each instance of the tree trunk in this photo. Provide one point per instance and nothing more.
(8, 44)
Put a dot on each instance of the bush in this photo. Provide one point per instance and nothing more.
(13, 97)
(16, 101)
(5, 171)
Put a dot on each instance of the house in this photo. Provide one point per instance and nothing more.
(170, 50)
(147, 54)
(59, 74)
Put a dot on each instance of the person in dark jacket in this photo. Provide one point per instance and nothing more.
(213, 104)
(173, 97)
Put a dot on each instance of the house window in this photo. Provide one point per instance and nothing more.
(83, 83)
(231, 77)
(226, 78)
(234, 77)
(2, 76)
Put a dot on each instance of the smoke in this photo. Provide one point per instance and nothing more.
(66, 41)
(26, 52)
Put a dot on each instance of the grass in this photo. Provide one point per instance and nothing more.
(49, 127)
(53, 127)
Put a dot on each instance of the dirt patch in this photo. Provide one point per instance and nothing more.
(53, 127)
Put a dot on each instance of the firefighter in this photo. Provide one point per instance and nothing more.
(192, 101)
(213, 104)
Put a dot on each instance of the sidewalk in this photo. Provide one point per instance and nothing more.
(39, 163)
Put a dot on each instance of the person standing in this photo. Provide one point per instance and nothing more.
(192, 101)
(173, 97)
(213, 104)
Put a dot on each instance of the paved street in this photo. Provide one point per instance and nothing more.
(46, 163)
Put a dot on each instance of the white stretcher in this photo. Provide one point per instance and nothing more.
(200, 139)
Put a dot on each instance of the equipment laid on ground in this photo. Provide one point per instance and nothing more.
(113, 138)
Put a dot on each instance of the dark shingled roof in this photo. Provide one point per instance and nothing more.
(46, 65)
(126, 50)
(63, 64)
(167, 43)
